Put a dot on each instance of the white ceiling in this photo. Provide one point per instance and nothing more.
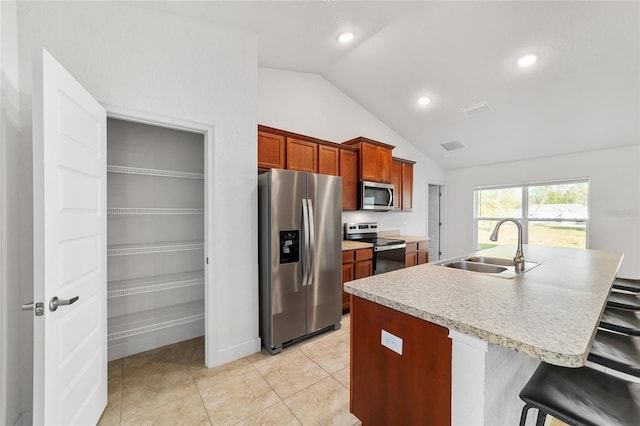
(583, 93)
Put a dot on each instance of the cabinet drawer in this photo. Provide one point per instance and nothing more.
(412, 247)
(423, 246)
(348, 256)
(364, 254)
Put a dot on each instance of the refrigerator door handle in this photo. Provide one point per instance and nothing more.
(312, 241)
(305, 247)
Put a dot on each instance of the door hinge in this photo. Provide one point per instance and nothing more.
(207, 260)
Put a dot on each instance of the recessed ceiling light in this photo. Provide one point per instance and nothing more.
(527, 60)
(345, 37)
(424, 100)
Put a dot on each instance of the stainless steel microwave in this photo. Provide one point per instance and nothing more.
(376, 196)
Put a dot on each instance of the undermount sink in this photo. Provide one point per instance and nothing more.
(475, 267)
(490, 260)
(494, 266)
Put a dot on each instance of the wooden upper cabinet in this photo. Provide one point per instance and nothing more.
(302, 155)
(349, 173)
(407, 186)
(375, 159)
(271, 151)
(328, 160)
(396, 180)
(402, 178)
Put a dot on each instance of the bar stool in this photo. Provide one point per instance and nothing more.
(617, 351)
(621, 320)
(627, 285)
(624, 301)
(580, 396)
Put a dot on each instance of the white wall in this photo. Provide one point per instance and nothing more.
(614, 176)
(9, 280)
(310, 105)
(148, 61)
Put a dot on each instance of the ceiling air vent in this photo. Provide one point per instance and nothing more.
(453, 145)
(476, 109)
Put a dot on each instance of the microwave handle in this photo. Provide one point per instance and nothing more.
(390, 197)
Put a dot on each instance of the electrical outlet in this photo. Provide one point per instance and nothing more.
(392, 342)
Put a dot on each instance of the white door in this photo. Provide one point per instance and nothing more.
(70, 228)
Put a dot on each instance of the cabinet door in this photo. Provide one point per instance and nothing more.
(302, 155)
(407, 186)
(347, 272)
(423, 252)
(349, 173)
(364, 269)
(396, 180)
(369, 162)
(328, 160)
(410, 259)
(347, 275)
(270, 151)
(384, 164)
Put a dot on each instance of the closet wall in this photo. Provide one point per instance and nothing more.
(155, 236)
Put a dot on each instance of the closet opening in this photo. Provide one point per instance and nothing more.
(156, 235)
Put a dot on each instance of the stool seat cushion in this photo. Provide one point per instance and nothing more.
(583, 396)
(624, 300)
(621, 320)
(627, 284)
(617, 351)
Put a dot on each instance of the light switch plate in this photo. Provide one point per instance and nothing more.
(392, 342)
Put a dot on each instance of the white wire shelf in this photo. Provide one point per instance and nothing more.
(154, 320)
(133, 249)
(153, 211)
(153, 284)
(154, 172)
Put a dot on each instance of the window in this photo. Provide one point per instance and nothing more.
(551, 214)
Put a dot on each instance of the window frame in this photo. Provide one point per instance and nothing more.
(524, 220)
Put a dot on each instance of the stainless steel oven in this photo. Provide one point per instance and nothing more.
(388, 257)
(388, 253)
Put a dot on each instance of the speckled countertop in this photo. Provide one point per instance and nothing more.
(354, 245)
(396, 234)
(550, 312)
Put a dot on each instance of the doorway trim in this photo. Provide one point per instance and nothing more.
(208, 131)
(442, 214)
(3, 255)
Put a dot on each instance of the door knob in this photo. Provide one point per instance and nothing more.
(55, 302)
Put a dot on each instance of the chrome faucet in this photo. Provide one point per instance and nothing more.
(518, 260)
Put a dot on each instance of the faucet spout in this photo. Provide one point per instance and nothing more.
(518, 260)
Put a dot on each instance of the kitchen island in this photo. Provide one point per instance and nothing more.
(478, 337)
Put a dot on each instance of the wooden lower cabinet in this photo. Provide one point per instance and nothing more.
(355, 264)
(416, 253)
(387, 388)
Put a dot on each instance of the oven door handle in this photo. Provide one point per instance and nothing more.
(391, 247)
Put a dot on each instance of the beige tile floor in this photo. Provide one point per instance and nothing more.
(308, 384)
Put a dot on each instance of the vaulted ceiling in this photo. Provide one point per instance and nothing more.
(582, 94)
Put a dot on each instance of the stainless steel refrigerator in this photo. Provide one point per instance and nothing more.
(300, 255)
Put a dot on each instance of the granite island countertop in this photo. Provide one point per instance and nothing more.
(550, 312)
